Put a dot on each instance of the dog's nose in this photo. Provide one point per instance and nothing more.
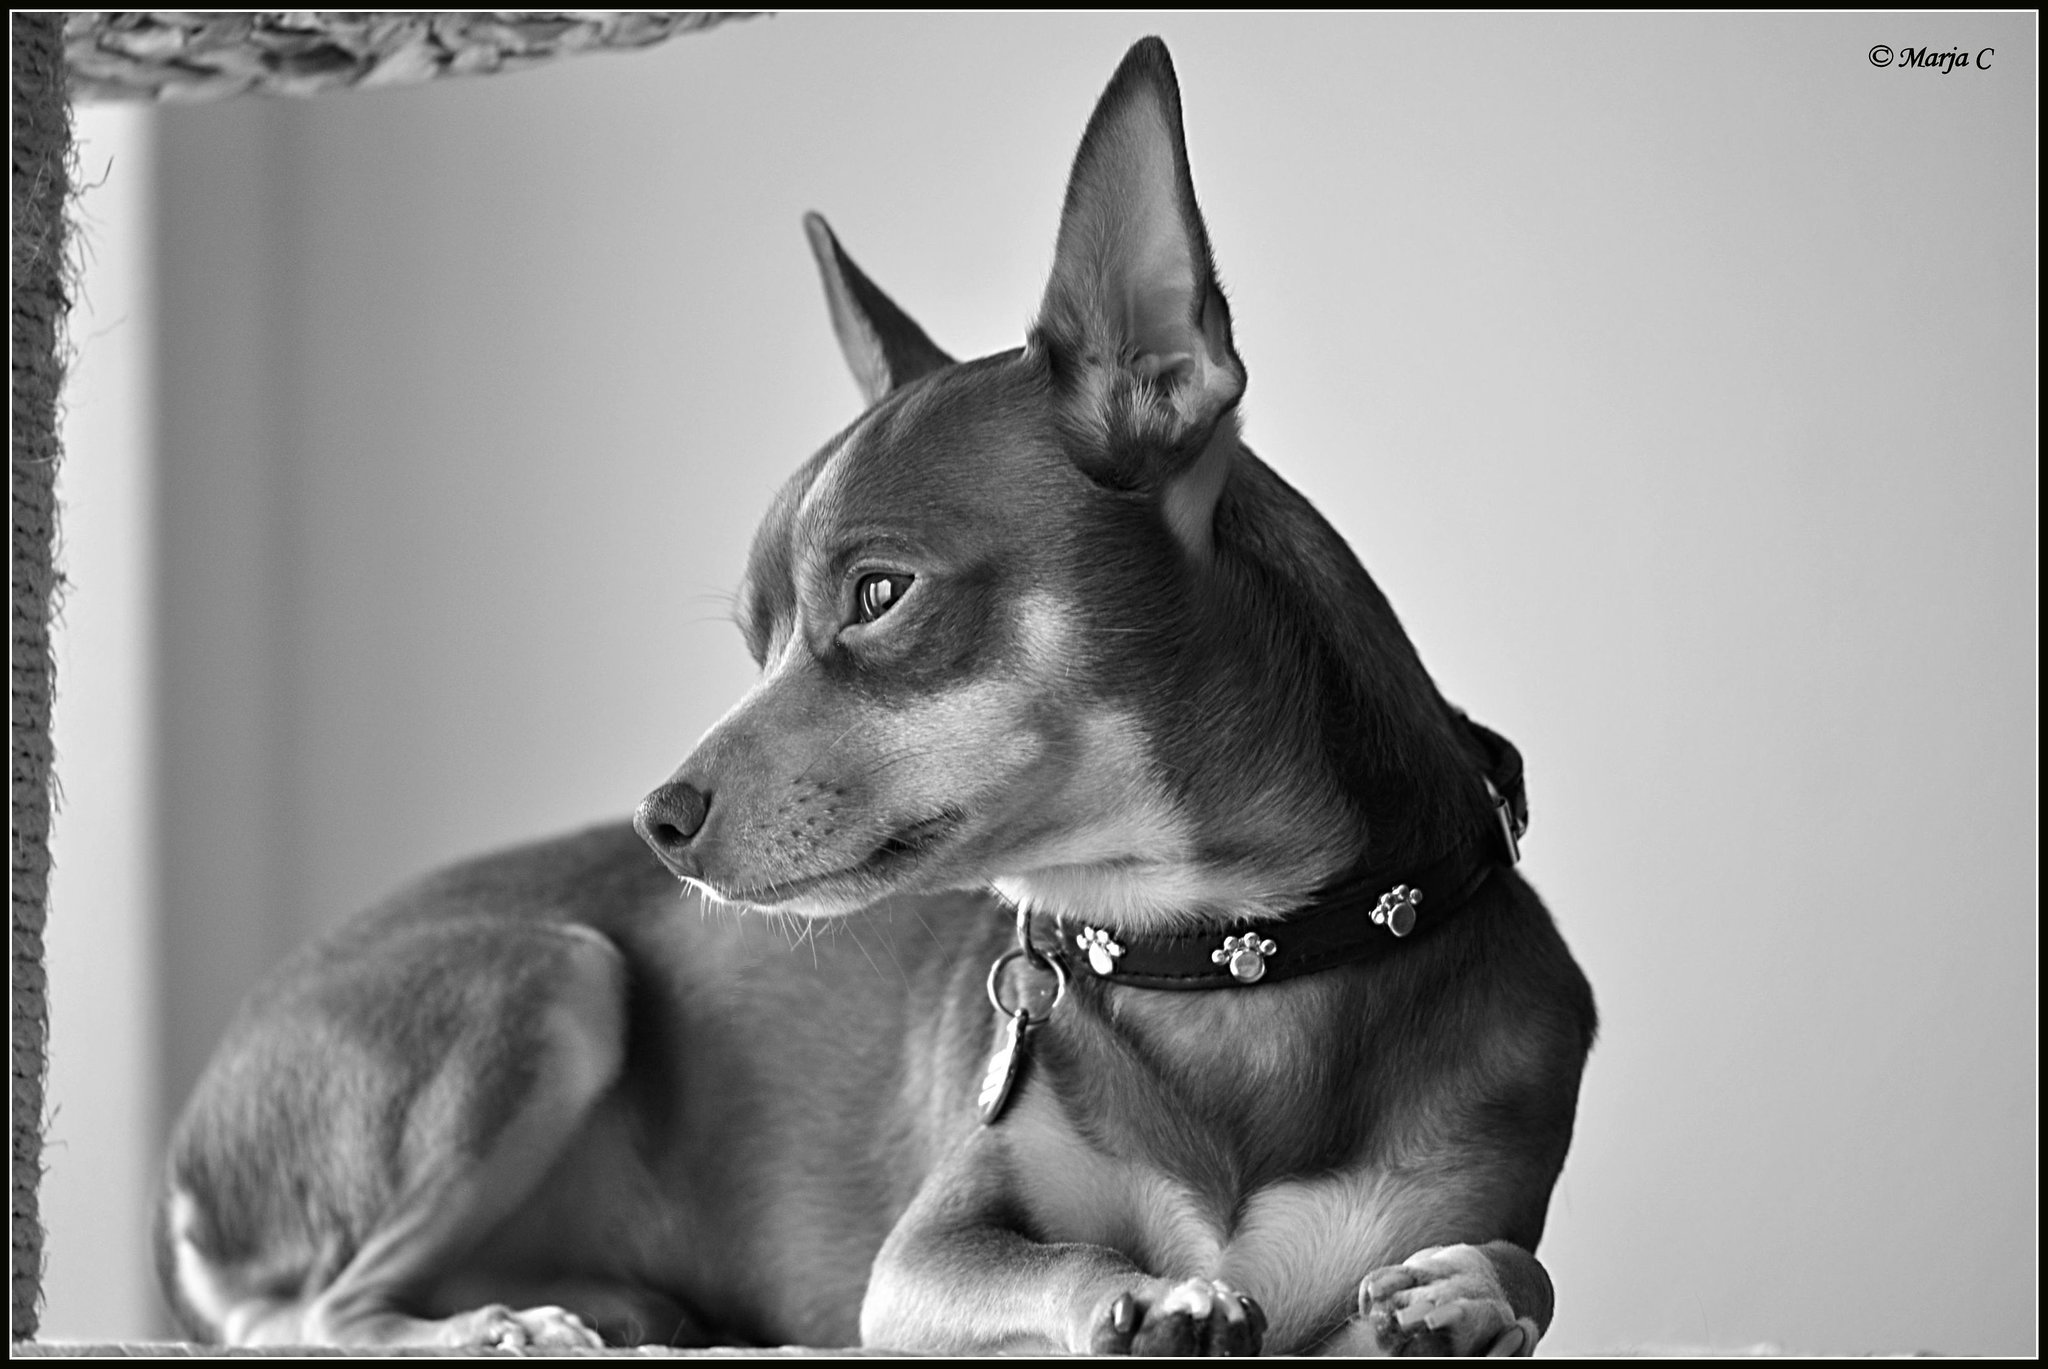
(668, 818)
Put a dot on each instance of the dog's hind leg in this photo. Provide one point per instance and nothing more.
(362, 1174)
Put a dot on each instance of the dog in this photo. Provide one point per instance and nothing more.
(1166, 985)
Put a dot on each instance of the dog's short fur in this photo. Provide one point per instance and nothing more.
(1037, 624)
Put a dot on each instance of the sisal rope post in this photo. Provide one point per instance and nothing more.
(42, 147)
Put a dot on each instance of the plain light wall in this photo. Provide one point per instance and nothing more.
(1673, 374)
(103, 955)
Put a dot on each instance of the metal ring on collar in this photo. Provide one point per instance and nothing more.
(995, 974)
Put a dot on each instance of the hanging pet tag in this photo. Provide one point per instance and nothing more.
(1003, 1066)
(1006, 1062)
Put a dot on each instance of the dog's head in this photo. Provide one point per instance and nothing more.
(1039, 620)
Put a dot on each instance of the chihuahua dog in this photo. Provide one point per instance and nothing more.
(1171, 991)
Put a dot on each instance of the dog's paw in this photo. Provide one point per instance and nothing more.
(1445, 1300)
(1192, 1317)
(540, 1329)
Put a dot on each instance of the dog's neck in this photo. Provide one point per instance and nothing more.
(1366, 913)
(1352, 700)
(1341, 759)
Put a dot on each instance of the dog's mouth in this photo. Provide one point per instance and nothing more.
(882, 869)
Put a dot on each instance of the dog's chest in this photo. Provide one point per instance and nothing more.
(1206, 1135)
(1300, 1246)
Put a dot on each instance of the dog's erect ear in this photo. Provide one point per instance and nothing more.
(1133, 317)
(885, 349)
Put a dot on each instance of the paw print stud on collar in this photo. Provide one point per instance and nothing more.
(1246, 956)
(1396, 910)
(1102, 952)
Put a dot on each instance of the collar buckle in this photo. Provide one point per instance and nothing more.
(1510, 830)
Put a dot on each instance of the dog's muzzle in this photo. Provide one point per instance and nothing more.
(668, 819)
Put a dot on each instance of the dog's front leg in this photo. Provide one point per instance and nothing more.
(957, 1275)
(1491, 1299)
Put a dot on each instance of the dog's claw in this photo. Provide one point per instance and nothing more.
(1112, 1333)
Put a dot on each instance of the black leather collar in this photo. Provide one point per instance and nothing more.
(1356, 918)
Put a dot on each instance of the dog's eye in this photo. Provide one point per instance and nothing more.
(875, 595)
